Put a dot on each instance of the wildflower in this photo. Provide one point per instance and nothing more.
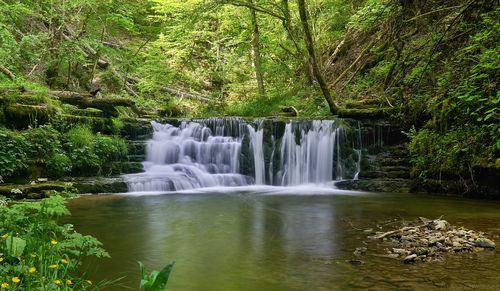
(32, 270)
(16, 280)
(64, 261)
(4, 236)
(1, 260)
(69, 282)
(53, 266)
(57, 282)
(4, 285)
(53, 242)
(88, 282)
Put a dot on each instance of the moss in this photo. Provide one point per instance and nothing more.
(136, 128)
(21, 116)
(64, 122)
(106, 105)
(31, 190)
(102, 185)
(90, 112)
(365, 113)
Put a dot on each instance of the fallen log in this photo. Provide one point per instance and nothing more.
(82, 100)
(8, 73)
(112, 44)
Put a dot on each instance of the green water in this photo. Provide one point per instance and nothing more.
(284, 242)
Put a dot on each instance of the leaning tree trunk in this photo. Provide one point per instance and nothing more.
(312, 57)
(256, 53)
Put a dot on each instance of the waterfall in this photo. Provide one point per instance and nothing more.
(235, 152)
(256, 144)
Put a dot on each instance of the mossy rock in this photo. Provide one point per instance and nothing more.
(136, 129)
(136, 147)
(106, 105)
(365, 113)
(376, 185)
(131, 167)
(364, 103)
(37, 190)
(21, 116)
(101, 185)
(90, 112)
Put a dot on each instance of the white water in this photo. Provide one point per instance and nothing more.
(208, 153)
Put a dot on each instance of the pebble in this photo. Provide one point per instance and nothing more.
(485, 243)
(410, 258)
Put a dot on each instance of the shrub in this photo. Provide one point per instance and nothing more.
(36, 253)
(13, 156)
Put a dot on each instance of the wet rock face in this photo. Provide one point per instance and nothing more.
(427, 240)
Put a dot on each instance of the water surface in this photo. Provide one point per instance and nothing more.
(264, 239)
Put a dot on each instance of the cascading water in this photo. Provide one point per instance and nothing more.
(234, 152)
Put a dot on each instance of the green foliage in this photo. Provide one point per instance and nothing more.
(36, 253)
(370, 14)
(455, 152)
(91, 154)
(13, 157)
(110, 148)
(155, 281)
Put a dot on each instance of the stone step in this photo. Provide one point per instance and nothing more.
(377, 185)
(127, 168)
(136, 147)
(389, 161)
(392, 168)
(383, 174)
(136, 158)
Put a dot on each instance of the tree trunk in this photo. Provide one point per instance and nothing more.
(312, 57)
(287, 24)
(256, 54)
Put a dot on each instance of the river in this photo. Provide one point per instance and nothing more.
(264, 238)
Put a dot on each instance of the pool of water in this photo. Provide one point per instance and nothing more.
(271, 239)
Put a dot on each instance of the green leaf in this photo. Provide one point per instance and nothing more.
(15, 246)
(162, 278)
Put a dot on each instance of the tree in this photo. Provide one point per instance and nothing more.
(256, 53)
(312, 57)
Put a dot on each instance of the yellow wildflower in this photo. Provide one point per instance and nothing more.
(16, 280)
(32, 270)
(88, 282)
(1, 260)
(5, 285)
(64, 261)
(53, 242)
(4, 236)
(68, 282)
(57, 282)
(52, 266)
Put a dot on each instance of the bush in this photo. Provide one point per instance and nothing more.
(91, 154)
(13, 156)
(42, 144)
(58, 165)
(110, 148)
(455, 152)
(36, 253)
